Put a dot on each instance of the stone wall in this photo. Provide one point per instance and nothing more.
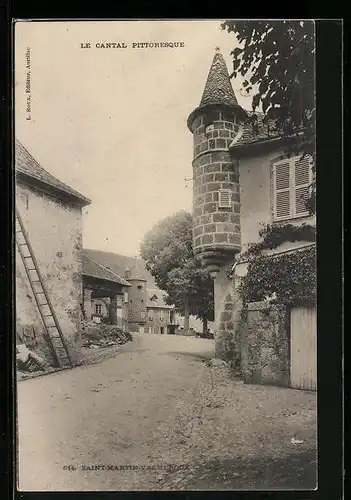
(227, 316)
(55, 233)
(265, 345)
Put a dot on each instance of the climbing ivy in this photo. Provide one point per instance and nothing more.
(290, 277)
(274, 235)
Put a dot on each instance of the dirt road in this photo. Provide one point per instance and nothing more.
(156, 416)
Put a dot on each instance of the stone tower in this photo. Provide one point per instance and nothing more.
(215, 123)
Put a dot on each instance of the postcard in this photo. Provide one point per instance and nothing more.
(166, 333)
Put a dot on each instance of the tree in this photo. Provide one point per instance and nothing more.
(277, 60)
(168, 253)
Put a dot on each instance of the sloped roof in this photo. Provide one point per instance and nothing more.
(255, 132)
(218, 88)
(28, 166)
(218, 91)
(118, 264)
(156, 298)
(95, 270)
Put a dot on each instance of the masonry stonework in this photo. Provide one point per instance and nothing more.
(215, 124)
(213, 170)
(137, 304)
(227, 317)
(266, 345)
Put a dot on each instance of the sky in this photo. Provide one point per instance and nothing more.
(111, 123)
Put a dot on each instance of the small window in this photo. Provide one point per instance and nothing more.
(98, 309)
(209, 128)
(224, 198)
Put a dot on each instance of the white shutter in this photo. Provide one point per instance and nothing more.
(224, 198)
(302, 180)
(282, 191)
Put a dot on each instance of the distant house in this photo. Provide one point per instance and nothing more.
(140, 304)
(105, 294)
(160, 316)
(51, 212)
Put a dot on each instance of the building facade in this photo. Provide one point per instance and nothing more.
(160, 317)
(51, 213)
(141, 305)
(242, 180)
(105, 294)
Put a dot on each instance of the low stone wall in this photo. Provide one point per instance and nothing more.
(265, 345)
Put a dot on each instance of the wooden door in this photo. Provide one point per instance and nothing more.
(303, 348)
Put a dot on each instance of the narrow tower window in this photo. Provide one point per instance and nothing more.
(224, 198)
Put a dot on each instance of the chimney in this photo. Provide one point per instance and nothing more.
(127, 273)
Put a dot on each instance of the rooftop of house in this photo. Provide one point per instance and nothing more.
(255, 131)
(93, 269)
(119, 264)
(156, 299)
(27, 168)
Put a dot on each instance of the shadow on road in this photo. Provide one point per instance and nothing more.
(295, 472)
(196, 356)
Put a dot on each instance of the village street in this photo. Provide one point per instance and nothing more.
(157, 403)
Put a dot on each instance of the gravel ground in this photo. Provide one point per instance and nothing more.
(158, 407)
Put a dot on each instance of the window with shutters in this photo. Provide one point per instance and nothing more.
(291, 180)
(224, 198)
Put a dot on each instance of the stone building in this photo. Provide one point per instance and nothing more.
(160, 317)
(51, 213)
(242, 179)
(105, 294)
(137, 305)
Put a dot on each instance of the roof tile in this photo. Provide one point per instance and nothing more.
(157, 299)
(218, 88)
(27, 165)
(95, 270)
(118, 264)
(255, 131)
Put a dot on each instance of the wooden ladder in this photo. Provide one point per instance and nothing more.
(50, 322)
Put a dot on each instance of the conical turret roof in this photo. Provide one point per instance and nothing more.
(218, 89)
